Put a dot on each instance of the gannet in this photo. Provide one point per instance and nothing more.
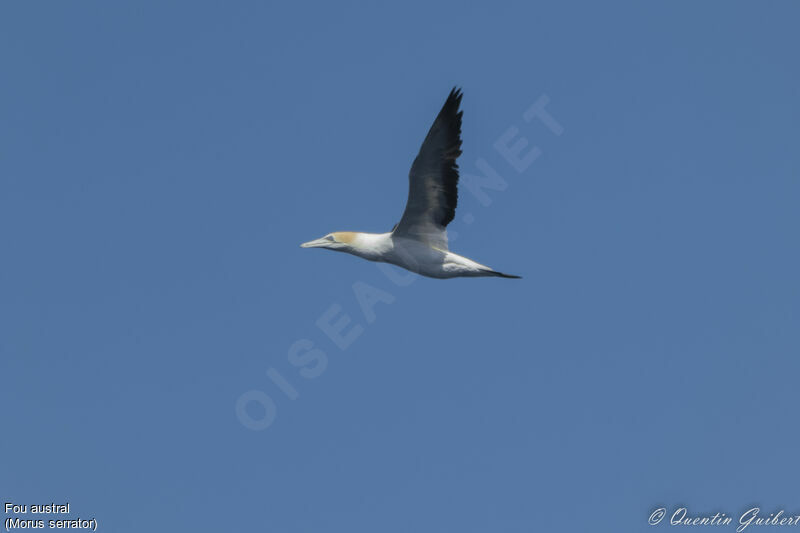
(419, 241)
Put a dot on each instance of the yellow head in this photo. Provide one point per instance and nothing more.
(335, 241)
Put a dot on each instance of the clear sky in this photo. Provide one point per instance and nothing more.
(160, 163)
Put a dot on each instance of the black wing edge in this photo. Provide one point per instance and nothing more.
(450, 120)
(447, 126)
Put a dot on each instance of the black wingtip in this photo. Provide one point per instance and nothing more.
(455, 94)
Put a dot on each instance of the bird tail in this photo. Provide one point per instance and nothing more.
(501, 275)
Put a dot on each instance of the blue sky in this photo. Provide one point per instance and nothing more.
(160, 162)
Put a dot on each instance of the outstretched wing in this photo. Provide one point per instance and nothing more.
(433, 180)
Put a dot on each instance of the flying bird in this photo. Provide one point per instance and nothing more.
(419, 241)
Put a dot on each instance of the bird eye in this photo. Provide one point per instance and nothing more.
(330, 238)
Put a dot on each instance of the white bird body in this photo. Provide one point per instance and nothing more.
(419, 241)
(411, 254)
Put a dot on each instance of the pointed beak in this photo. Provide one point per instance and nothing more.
(314, 244)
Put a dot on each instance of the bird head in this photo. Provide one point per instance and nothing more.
(339, 240)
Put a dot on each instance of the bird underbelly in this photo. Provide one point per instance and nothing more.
(430, 262)
(417, 257)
